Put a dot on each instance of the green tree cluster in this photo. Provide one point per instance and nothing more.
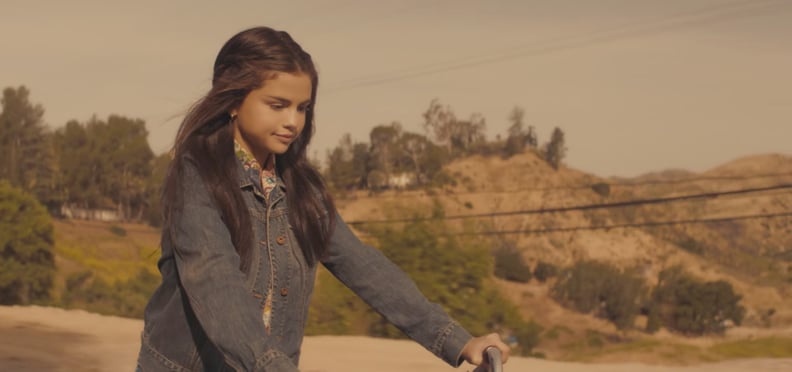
(554, 151)
(104, 164)
(458, 136)
(27, 159)
(510, 264)
(453, 272)
(126, 298)
(27, 264)
(544, 271)
(602, 290)
(679, 301)
(390, 152)
(336, 310)
(519, 138)
(692, 306)
(393, 152)
(347, 164)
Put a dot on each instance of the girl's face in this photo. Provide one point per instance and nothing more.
(271, 117)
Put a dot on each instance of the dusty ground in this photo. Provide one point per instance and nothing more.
(51, 339)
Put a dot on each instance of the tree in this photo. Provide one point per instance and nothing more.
(27, 264)
(439, 122)
(422, 156)
(384, 151)
(127, 163)
(26, 156)
(510, 264)
(467, 134)
(79, 180)
(518, 137)
(530, 137)
(458, 136)
(600, 289)
(691, 306)
(107, 164)
(544, 271)
(159, 169)
(360, 164)
(453, 273)
(347, 164)
(515, 141)
(555, 150)
(126, 298)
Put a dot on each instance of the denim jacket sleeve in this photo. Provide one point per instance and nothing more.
(386, 288)
(208, 268)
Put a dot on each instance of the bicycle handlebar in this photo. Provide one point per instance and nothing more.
(494, 359)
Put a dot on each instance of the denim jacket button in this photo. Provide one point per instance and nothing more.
(280, 240)
(284, 291)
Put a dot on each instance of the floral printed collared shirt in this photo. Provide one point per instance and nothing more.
(263, 177)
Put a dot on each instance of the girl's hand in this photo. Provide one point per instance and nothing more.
(473, 352)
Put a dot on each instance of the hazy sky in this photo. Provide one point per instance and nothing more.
(637, 85)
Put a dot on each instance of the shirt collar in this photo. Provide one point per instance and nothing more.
(251, 171)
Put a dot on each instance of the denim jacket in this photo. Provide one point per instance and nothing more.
(206, 314)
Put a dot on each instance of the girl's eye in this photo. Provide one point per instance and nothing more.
(305, 108)
(276, 106)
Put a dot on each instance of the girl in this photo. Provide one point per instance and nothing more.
(247, 221)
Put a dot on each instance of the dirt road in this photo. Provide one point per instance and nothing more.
(50, 339)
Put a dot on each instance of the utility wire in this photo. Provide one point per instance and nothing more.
(710, 14)
(628, 225)
(709, 195)
(652, 182)
(589, 186)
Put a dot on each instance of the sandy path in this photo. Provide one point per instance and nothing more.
(52, 339)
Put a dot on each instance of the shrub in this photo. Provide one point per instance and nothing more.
(27, 263)
(602, 189)
(123, 298)
(694, 307)
(509, 265)
(544, 271)
(118, 230)
(602, 290)
(453, 272)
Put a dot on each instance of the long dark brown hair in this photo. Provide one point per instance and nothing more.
(206, 137)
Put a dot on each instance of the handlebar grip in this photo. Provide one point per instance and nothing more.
(494, 359)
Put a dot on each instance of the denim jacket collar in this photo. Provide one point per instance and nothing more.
(245, 181)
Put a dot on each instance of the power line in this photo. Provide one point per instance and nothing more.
(600, 36)
(573, 42)
(629, 225)
(384, 13)
(588, 186)
(697, 179)
(621, 204)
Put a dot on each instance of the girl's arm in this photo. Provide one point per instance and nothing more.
(387, 289)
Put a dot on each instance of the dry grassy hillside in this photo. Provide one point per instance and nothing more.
(754, 255)
(113, 252)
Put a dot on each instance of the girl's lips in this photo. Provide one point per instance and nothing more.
(286, 138)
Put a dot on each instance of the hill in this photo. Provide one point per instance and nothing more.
(754, 255)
